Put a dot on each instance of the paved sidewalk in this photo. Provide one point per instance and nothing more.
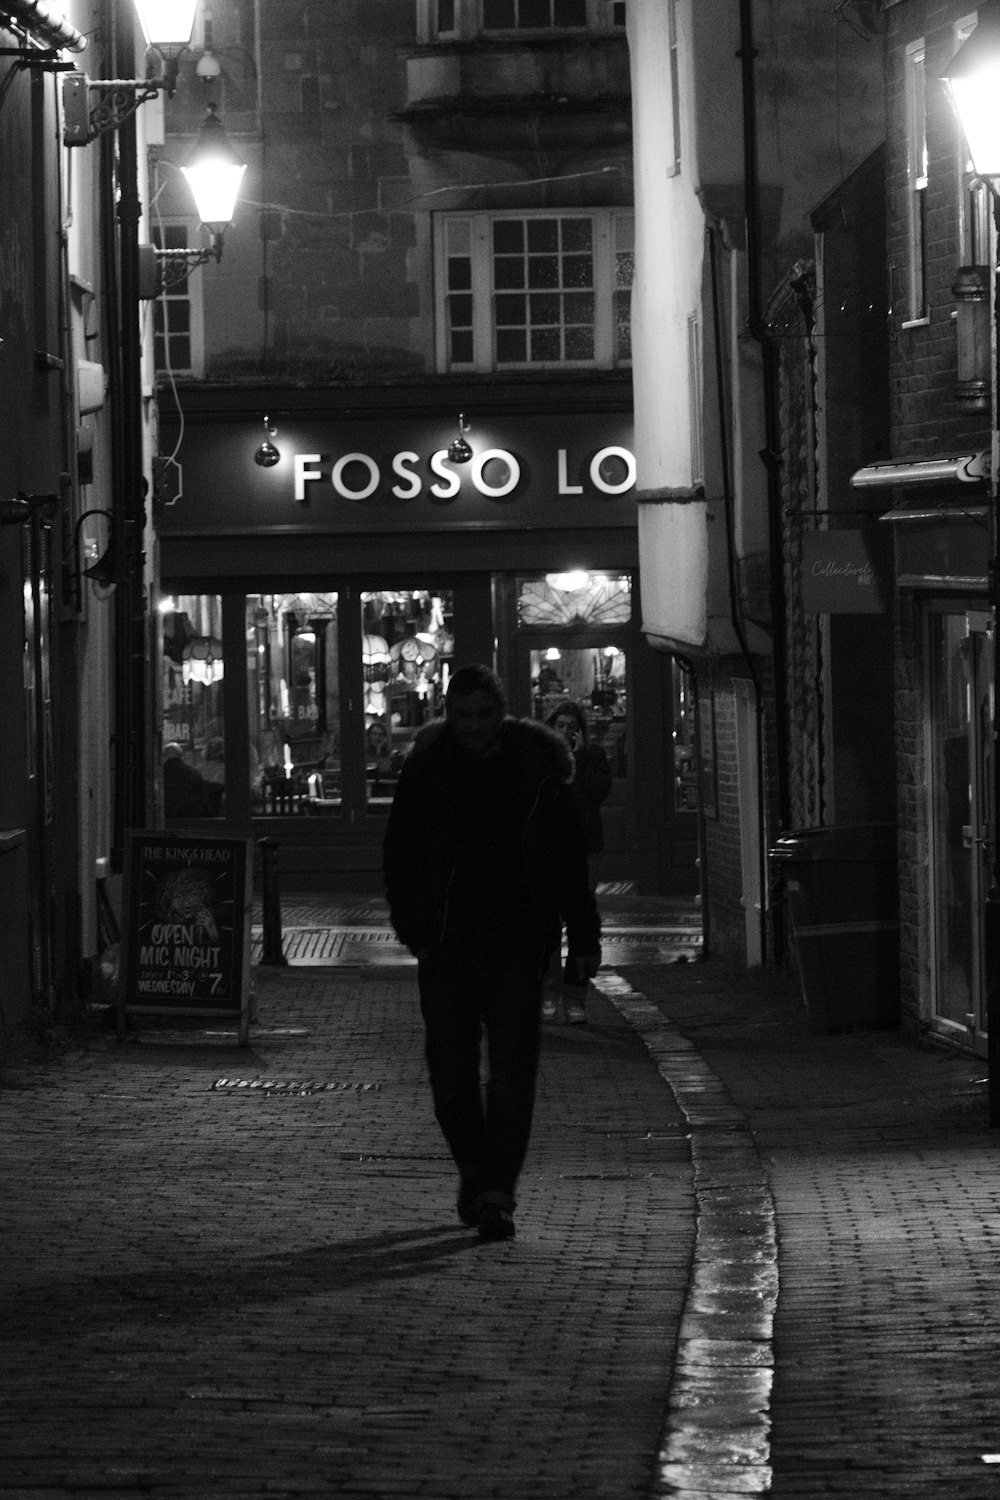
(260, 1286)
(886, 1191)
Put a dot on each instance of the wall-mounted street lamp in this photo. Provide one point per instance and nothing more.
(214, 172)
(93, 105)
(972, 81)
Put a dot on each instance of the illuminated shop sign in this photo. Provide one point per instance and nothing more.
(358, 473)
(495, 473)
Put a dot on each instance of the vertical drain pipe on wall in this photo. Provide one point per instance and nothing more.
(771, 458)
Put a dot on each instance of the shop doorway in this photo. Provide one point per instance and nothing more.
(588, 671)
(961, 815)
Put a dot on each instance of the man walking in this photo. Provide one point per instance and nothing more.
(484, 864)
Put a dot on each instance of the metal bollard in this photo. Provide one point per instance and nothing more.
(272, 948)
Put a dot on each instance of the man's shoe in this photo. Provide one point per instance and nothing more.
(575, 1013)
(495, 1223)
(550, 1006)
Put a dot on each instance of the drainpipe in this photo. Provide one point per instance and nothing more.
(128, 501)
(771, 455)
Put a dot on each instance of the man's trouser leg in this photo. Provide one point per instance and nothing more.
(449, 1003)
(511, 997)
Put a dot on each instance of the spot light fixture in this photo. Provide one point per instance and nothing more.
(458, 450)
(267, 455)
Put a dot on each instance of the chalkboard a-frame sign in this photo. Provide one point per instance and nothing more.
(186, 932)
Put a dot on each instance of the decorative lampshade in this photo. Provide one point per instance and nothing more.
(167, 24)
(202, 660)
(214, 172)
(972, 80)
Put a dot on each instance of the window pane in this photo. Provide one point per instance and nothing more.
(511, 348)
(579, 343)
(577, 234)
(623, 325)
(534, 13)
(543, 270)
(570, 13)
(460, 311)
(498, 15)
(685, 742)
(446, 15)
(511, 311)
(544, 307)
(508, 236)
(293, 692)
(545, 344)
(508, 272)
(407, 654)
(459, 273)
(543, 234)
(194, 757)
(578, 307)
(578, 270)
(461, 349)
(459, 236)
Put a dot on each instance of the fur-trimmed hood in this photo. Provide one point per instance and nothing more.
(545, 752)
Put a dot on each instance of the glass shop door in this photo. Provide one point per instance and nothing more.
(961, 821)
(588, 672)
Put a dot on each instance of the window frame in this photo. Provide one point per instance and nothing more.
(612, 228)
(189, 291)
(467, 19)
(915, 98)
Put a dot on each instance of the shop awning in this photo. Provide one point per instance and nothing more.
(43, 23)
(951, 468)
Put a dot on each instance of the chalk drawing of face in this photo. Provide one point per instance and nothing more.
(185, 896)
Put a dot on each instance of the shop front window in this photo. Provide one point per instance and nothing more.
(194, 765)
(407, 650)
(686, 767)
(293, 699)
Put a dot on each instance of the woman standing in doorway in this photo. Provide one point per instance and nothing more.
(590, 787)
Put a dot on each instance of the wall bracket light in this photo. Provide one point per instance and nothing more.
(267, 455)
(459, 451)
(104, 570)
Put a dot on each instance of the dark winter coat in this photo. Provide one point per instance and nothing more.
(592, 782)
(429, 827)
